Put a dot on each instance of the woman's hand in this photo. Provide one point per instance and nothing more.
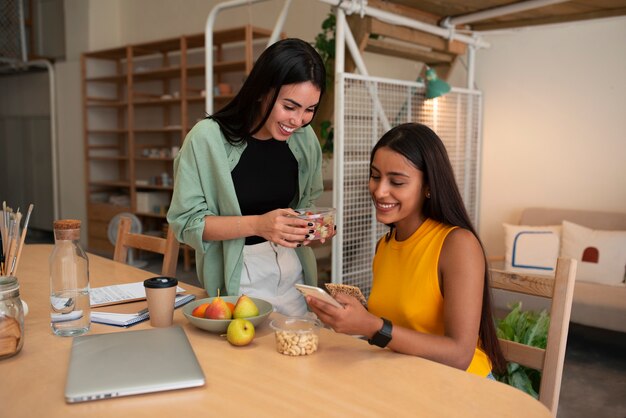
(353, 319)
(332, 234)
(281, 227)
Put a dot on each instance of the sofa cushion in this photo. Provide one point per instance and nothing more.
(601, 255)
(531, 249)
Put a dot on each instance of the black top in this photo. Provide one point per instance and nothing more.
(265, 178)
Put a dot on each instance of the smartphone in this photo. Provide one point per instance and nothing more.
(316, 292)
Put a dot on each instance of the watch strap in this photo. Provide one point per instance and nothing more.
(382, 337)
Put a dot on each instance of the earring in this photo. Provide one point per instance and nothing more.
(427, 195)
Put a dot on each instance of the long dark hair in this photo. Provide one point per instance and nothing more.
(288, 61)
(425, 150)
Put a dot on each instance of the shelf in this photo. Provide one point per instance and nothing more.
(107, 131)
(110, 183)
(102, 146)
(146, 96)
(229, 66)
(104, 158)
(156, 102)
(196, 98)
(151, 215)
(157, 74)
(120, 78)
(102, 102)
(157, 130)
(153, 159)
(156, 47)
(154, 187)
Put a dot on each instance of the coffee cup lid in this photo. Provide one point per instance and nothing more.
(160, 282)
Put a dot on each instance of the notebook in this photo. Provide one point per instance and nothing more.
(127, 320)
(106, 366)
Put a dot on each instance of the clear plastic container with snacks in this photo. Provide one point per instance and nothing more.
(296, 336)
(323, 220)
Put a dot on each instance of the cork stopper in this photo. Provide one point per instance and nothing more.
(67, 224)
(67, 229)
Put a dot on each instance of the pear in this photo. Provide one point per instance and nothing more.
(240, 332)
(245, 308)
(218, 309)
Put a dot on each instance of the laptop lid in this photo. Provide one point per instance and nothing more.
(105, 366)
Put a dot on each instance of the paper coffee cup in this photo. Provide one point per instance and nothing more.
(161, 293)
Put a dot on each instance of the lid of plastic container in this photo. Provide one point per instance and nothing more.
(160, 282)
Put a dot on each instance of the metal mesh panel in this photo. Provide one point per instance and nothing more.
(11, 27)
(455, 117)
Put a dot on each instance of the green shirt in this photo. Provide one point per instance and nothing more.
(203, 186)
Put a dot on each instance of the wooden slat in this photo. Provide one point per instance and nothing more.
(525, 355)
(529, 285)
(166, 246)
(145, 242)
(557, 333)
(403, 10)
(407, 52)
(544, 20)
(416, 37)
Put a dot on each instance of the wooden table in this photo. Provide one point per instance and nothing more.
(345, 378)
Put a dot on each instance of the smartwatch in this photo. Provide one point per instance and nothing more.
(383, 336)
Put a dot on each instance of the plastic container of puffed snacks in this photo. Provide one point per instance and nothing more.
(323, 220)
(296, 335)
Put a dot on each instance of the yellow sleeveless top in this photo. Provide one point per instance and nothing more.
(405, 287)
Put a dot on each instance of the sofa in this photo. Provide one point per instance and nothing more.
(598, 302)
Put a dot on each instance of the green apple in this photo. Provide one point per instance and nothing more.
(240, 332)
(218, 309)
(245, 308)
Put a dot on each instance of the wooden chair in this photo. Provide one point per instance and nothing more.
(166, 246)
(560, 289)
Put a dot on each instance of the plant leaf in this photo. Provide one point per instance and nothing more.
(525, 327)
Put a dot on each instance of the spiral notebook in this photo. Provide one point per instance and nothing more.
(126, 319)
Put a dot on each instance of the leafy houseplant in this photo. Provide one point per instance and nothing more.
(529, 328)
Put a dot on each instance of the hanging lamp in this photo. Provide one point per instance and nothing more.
(435, 87)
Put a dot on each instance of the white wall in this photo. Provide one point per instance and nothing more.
(554, 122)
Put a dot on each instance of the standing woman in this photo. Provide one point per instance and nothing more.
(430, 277)
(240, 173)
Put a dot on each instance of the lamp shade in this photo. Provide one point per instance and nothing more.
(434, 86)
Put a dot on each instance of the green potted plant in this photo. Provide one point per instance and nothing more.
(529, 328)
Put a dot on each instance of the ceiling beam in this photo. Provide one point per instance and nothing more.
(509, 24)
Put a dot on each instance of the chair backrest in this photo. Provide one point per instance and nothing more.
(166, 246)
(560, 289)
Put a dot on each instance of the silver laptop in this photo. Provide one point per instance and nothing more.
(105, 366)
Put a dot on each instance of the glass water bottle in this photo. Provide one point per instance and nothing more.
(69, 281)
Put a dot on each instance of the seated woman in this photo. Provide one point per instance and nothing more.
(430, 293)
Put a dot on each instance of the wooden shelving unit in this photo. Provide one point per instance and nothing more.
(139, 102)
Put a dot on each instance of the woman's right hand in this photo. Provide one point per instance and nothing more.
(281, 227)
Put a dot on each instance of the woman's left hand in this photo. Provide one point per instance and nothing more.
(348, 320)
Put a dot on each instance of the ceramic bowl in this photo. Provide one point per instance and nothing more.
(219, 326)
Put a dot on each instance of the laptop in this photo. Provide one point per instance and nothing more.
(106, 366)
